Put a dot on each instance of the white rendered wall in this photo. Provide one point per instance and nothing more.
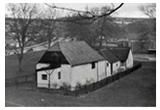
(55, 82)
(101, 70)
(41, 65)
(108, 68)
(53, 78)
(116, 66)
(66, 74)
(129, 62)
(40, 82)
(84, 74)
(81, 74)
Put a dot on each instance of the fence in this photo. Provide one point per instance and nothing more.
(30, 79)
(94, 86)
(17, 81)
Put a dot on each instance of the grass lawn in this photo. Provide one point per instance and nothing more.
(135, 89)
(28, 64)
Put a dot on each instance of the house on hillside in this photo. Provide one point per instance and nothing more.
(124, 55)
(113, 62)
(71, 63)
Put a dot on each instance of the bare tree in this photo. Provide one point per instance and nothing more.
(87, 15)
(149, 10)
(49, 73)
(23, 16)
(49, 24)
(104, 27)
(78, 31)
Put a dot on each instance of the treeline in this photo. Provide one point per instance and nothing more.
(102, 29)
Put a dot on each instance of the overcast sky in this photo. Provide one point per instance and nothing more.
(127, 10)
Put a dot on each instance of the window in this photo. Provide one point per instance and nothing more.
(116, 64)
(93, 65)
(107, 64)
(44, 77)
(59, 75)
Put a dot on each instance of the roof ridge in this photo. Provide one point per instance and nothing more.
(110, 55)
(77, 52)
(121, 52)
(111, 52)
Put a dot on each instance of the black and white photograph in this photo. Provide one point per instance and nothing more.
(80, 54)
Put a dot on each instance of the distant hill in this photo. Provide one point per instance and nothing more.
(135, 28)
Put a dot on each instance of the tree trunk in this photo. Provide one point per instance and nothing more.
(49, 43)
(49, 82)
(20, 57)
(49, 40)
(20, 62)
(100, 42)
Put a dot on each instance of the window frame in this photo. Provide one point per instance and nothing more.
(59, 75)
(93, 65)
(117, 64)
(44, 77)
(107, 64)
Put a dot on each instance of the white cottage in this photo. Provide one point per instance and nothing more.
(124, 54)
(70, 63)
(113, 62)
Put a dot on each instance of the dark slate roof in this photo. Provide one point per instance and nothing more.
(108, 55)
(121, 52)
(77, 52)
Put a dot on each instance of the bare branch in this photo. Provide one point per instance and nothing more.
(63, 8)
(149, 10)
(22, 14)
(87, 15)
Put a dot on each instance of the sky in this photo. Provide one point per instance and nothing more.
(127, 10)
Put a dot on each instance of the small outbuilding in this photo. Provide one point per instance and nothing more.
(124, 54)
(70, 63)
(113, 62)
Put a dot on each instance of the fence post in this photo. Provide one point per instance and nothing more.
(106, 80)
(101, 83)
(93, 86)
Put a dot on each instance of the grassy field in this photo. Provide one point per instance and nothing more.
(135, 89)
(28, 64)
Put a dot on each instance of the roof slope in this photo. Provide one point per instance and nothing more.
(122, 53)
(55, 47)
(77, 52)
(108, 55)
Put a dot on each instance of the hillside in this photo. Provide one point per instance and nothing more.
(134, 29)
(122, 28)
